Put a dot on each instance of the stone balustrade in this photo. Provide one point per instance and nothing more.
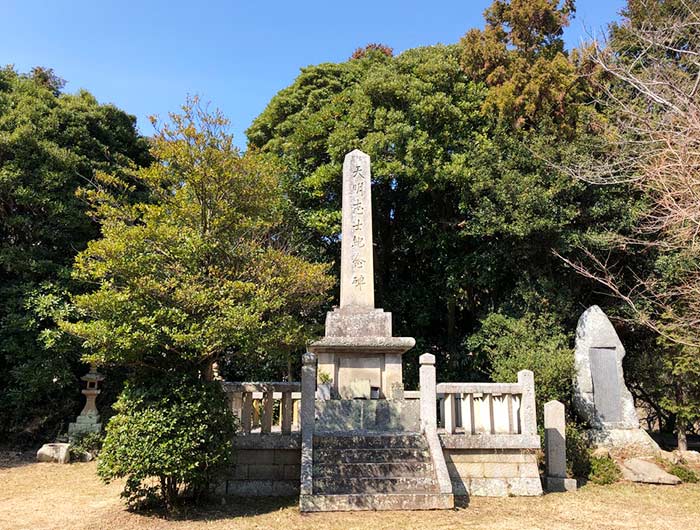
(265, 408)
(487, 408)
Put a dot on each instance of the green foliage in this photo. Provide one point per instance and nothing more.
(324, 377)
(50, 144)
(202, 270)
(506, 345)
(604, 470)
(684, 473)
(85, 443)
(458, 196)
(171, 438)
(578, 455)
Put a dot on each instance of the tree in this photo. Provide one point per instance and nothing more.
(460, 202)
(648, 78)
(50, 144)
(201, 270)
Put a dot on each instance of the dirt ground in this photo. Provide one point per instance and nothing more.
(71, 496)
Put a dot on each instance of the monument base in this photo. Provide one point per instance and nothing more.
(622, 438)
(346, 360)
(358, 322)
(559, 484)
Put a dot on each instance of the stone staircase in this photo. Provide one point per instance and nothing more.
(373, 472)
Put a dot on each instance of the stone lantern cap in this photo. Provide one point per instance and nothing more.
(93, 376)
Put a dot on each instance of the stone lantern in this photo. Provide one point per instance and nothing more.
(89, 418)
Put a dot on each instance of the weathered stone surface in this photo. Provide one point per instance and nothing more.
(490, 441)
(354, 322)
(343, 415)
(630, 439)
(356, 262)
(555, 439)
(559, 484)
(56, 452)
(599, 377)
(268, 441)
(639, 470)
(307, 419)
(362, 345)
(377, 501)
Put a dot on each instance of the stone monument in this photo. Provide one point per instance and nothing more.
(555, 448)
(600, 394)
(358, 352)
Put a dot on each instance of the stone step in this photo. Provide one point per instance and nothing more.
(369, 441)
(372, 470)
(363, 456)
(332, 486)
(376, 501)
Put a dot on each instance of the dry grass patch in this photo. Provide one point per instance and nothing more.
(71, 496)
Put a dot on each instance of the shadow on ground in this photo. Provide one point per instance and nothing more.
(229, 507)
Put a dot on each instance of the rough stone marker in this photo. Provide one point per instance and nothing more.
(600, 394)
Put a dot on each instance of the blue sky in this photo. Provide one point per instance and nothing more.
(146, 56)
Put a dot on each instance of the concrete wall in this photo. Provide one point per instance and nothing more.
(264, 472)
(493, 472)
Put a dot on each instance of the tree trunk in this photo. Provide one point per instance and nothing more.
(680, 423)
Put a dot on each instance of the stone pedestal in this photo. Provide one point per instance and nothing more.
(375, 359)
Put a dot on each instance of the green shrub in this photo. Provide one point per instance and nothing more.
(84, 443)
(682, 472)
(578, 456)
(531, 342)
(170, 438)
(604, 470)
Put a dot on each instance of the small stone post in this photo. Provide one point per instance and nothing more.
(428, 392)
(528, 416)
(308, 412)
(555, 448)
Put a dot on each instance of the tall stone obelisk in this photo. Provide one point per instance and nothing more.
(356, 259)
(358, 348)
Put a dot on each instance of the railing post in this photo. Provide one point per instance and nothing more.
(286, 413)
(428, 392)
(528, 416)
(246, 412)
(268, 403)
(308, 412)
(450, 415)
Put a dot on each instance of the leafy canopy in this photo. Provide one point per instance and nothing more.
(202, 269)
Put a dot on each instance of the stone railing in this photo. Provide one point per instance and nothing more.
(265, 408)
(484, 415)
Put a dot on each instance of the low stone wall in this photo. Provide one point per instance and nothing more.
(265, 466)
(493, 472)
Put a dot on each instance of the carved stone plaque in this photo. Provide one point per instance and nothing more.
(606, 384)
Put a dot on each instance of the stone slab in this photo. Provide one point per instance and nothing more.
(640, 470)
(377, 415)
(375, 502)
(362, 345)
(352, 322)
(490, 441)
(606, 385)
